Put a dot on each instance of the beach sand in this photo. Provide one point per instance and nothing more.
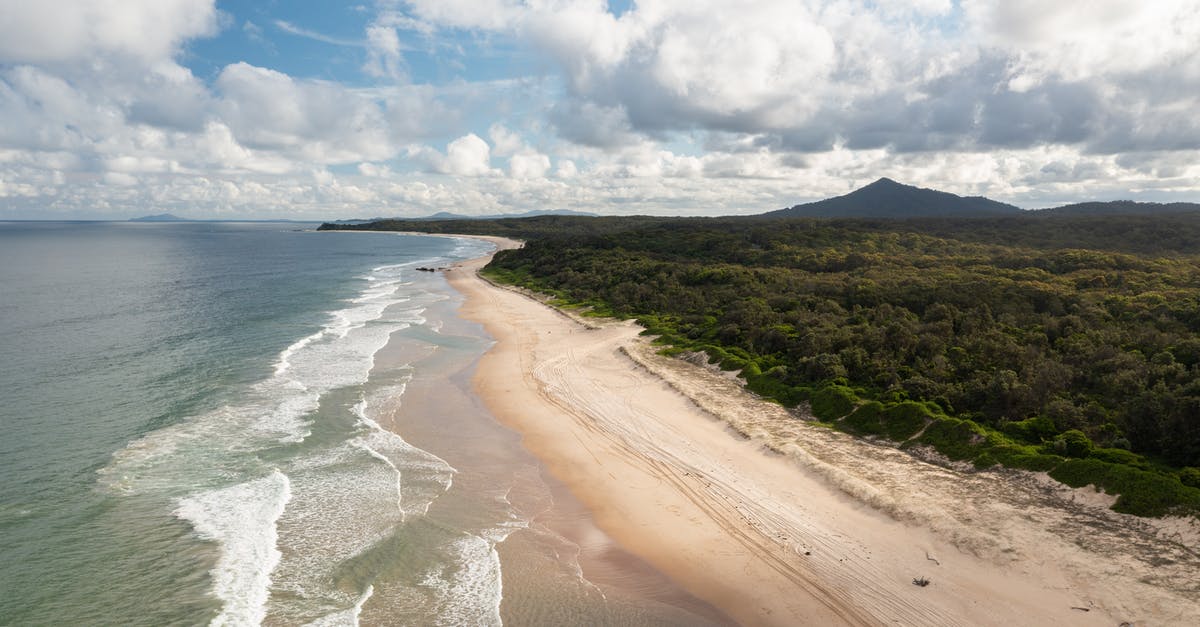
(775, 521)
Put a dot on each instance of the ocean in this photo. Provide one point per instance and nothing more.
(243, 424)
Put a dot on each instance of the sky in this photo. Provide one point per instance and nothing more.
(324, 110)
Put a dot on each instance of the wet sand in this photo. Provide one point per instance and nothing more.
(548, 535)
(779, 522)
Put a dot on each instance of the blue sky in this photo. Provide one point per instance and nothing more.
(683, 107)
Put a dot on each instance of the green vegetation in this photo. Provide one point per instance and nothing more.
(1067, 344)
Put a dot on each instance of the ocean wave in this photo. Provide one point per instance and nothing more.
(471, 589)
(289, 499)
(241, 519)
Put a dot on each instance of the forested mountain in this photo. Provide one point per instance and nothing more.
(886, 198)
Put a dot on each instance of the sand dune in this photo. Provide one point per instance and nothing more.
(779, 522)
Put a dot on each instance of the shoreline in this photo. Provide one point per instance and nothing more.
(696, 478)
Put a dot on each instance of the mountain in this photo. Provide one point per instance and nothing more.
(1121, 207)
(886, 198)
(160, 217)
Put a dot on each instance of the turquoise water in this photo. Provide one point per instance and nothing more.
(190, 434)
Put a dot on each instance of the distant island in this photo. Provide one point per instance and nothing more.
(160, 217)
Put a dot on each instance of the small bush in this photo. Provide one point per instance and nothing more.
(832, 402)
(1032, 430)
(954, 438)
(1072, 443)
(1120, 456)
(903, 420)
(1140, 492)
(1024, 457)
(864, 420)
(1190, 477)
(732, 363)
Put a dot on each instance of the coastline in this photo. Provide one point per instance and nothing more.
(671, 464)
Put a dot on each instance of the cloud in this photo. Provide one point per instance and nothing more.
(674, 106)
(910, 76)
(529, 165)
(299, 31)
(469, 14)
(313, 121)
(466, 156)
(504, 141)
(384, 52)
(66, 31)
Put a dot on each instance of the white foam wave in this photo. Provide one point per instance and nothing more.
(469, 248)
(469, 592)
(347, 498)
(241, 519)
(340, 498)
(277, 409)
(428, 475)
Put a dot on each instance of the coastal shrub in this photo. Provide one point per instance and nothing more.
(1072, 443)
(832, 402)
(1032, 430)
(716, 354)
(1120, 456)
(954, 438)
(1190, 477)
(864, 420)
(768, 386)
(903, 420)
(1140, 492)
(1023, 457)
(731, 363)
(771, 387)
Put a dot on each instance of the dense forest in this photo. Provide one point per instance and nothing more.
(1066, 344)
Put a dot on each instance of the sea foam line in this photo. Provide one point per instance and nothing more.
(347, 617)
(376, 439)
(242, 520)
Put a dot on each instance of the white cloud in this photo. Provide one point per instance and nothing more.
(504, 141)
(529, 165)
(566, 169)
(1076, 41)
(692, 106)
(374, 170)
(466, 156)
(310, 120)
(65, 31)
(485, 14)
(384, 57)
(298, 31)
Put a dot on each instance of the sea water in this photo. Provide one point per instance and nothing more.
(241, 424)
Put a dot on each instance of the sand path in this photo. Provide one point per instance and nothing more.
(823, 529)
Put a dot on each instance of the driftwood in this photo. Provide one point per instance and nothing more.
(921, 581)
(932, 559)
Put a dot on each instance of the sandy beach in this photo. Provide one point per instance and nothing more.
(778, 522)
